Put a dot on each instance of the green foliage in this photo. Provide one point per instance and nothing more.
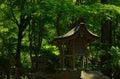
(26, 64)
(47, 13)
(107, 62)
(113, 63)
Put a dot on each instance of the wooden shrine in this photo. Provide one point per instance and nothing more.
(74, 43)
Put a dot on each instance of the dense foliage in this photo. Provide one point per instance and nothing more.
(27, 27)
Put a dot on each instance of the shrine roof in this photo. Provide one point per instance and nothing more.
(75, 32)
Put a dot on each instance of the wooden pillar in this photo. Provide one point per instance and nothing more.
(72, 56)
(73, 52)
(61, 57)
(85, 62)
(71, 62)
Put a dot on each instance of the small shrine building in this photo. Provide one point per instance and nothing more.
(74, 43)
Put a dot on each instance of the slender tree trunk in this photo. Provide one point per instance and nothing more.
(31, 46)
(106, 34)
(57, 25)
(21, 27)
(35, 38)
(24, 21)
(106, 39)
(106, 31)
(18, 51)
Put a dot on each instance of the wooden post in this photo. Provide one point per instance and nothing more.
(85, 62)
(71, 57)
(73, 53)
(61, 57)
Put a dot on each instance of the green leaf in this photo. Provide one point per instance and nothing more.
(2, 6)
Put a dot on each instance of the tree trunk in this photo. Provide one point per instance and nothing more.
(21, 27)
(106, 39)
(57, 25)
(18, 51)
(106, 34)
(35, 38)
(106, 31)
(31, 46)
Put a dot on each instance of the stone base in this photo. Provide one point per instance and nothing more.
(57, 75)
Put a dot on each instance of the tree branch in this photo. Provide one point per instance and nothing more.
(13, 15)
(27, 20)
(7, 14)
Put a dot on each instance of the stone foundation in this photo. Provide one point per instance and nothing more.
(57, 75)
